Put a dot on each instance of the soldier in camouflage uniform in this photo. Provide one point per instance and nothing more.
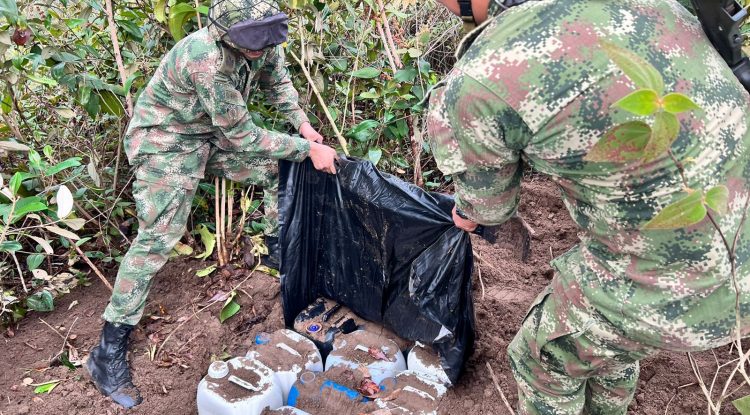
(533, 85)
(192, 119)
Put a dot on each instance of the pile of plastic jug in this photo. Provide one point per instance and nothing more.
(364, 372)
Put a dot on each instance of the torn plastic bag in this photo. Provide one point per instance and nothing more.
(382, 247)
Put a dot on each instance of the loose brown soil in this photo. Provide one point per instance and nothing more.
(168, 382)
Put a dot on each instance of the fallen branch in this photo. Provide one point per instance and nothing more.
(497, 386)
(91, 265)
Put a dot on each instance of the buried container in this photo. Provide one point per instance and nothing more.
(381, 356)
(410, 394)
(287, 354)
(240, 386)
(423, 361)
(331, 392)
(325, 319)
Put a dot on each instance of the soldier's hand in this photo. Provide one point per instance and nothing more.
(310, 134)
(461, 223)
(323, 157)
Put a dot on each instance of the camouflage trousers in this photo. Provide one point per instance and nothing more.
(163, 212)
(561, 369)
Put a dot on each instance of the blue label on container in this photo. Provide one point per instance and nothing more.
(313, 328)
(293, 395)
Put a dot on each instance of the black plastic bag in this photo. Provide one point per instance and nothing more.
(382, 247)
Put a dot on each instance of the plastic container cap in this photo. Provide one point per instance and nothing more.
(218, 370)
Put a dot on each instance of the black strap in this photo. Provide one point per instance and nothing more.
(465, 9)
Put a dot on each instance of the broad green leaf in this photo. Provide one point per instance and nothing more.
(371, 94)
(676, 103)
(57, 168)
(10, 246)
(64, 202)
(41, 301)
(9, 9)
(230, 308)
(92, 106)
(364, 131)
(374, 155)
(642, 73)
(28, 205)
(621, 144)
(33, 261)
(717, 198)
(641, 102)
(111, 104)
(208, 239)
(663, 133)
(206, 271)
(405, 75)
(685, 212)
(41, 79)
(366, 73)
(15, 182)
(742, 405)
(179, 14)
(35, 160)
(46, 387)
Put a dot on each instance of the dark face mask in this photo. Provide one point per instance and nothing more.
(257, 35)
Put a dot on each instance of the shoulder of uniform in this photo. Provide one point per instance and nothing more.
(202, 54)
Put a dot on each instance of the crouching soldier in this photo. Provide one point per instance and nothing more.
(192, 119)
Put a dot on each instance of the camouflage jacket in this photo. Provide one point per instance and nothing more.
(535, 86)
(197, 99)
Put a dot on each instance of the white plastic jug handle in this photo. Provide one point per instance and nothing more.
(243, 383)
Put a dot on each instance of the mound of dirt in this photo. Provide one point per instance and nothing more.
(504, 287)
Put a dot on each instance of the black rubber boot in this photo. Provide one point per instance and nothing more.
(108, 369)
(273, 259)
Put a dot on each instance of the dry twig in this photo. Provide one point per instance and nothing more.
(118, 55)
(342, 140)
(497, 386)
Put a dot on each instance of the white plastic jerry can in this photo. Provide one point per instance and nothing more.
(414, 394)
(426, 363)
(380, 355)
(240, 386)
(288, 354)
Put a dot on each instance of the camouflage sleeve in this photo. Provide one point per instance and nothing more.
(278, 88)
(228, 111)
(470, 130)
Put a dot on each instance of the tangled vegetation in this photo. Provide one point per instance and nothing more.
(71, 71)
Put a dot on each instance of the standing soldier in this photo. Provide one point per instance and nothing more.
(192, 119)
(534, 85)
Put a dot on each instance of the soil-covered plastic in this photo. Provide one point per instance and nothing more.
(384, 248)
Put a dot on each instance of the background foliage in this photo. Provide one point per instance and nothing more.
(64, 103)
